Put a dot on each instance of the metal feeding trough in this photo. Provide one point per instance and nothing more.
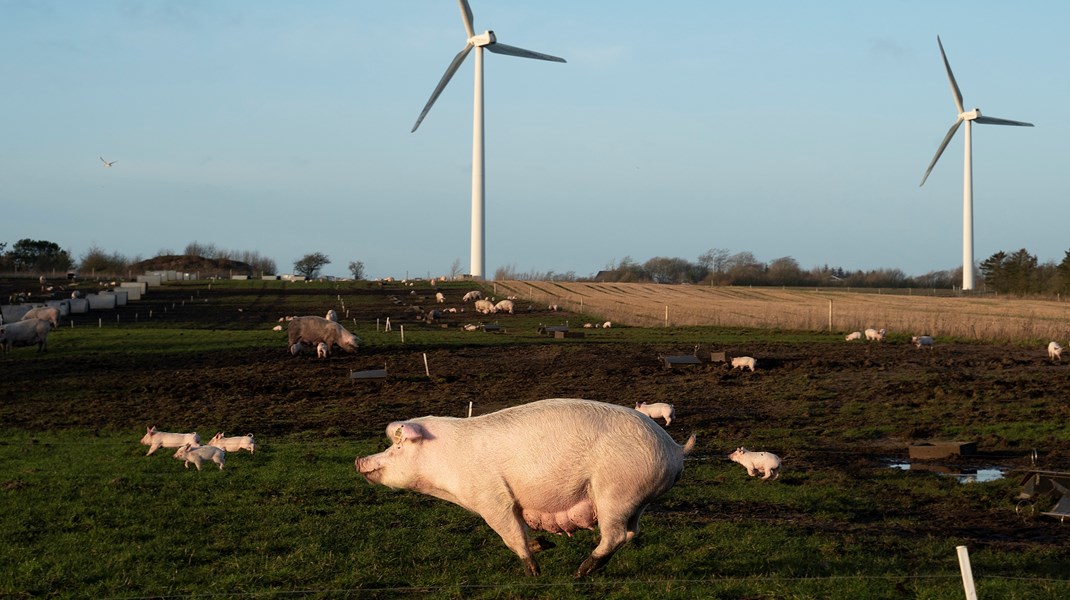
(368, 375)
(680, 360)
(1052, 485)
(931, 450)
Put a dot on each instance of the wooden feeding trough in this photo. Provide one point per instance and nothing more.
(683, 360)
(931, 450)
(552, 329)
(492, 328)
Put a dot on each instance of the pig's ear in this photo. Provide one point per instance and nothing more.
(399, 432)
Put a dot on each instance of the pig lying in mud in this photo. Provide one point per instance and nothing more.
(557, 465)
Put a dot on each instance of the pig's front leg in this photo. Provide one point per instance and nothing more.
(507, 523)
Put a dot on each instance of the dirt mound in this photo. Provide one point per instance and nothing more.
(187, 263)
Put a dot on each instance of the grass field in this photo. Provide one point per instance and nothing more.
(85, 514)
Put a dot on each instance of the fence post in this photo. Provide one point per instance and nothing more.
(967, 572)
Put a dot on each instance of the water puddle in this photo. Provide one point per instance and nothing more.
(963, 474)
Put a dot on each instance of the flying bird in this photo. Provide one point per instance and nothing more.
(106, 163)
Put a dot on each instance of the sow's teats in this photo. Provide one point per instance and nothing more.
(555, 465)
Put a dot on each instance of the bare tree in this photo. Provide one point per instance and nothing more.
(309, 265)
(356, 268)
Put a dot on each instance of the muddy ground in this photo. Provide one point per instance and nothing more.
(851, 407)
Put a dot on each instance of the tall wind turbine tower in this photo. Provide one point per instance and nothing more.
(486, 40)
(968, 117)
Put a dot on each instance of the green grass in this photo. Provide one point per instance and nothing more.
(88, 515)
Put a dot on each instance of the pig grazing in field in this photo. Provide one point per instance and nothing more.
(1055, 351)
(46, 313)
(25, 333)
(875, 335)
(766, 463)
(505, 306)
(557, 465)
(313, 330)
(854, 335)
(922, 341)
(198, 455)
(162, 439)
(233, 444)
(486, 307)
(657, 410)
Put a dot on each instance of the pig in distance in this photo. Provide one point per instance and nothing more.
(557, 465)
(314, 330)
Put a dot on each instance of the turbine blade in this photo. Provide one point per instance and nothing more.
(995, 121)
(466, 16)
(514, 51)
(940, 150)
(951, 77)
(456, 64)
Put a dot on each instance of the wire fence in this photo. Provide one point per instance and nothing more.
(652, 586)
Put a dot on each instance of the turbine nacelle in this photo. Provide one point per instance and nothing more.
(971, 115)
(484, 39)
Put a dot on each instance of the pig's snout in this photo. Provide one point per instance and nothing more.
(367, 467)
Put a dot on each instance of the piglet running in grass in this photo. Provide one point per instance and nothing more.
(235, 443)
(766, 463)
(162, 439)
(198, 455)
(657, 410)
(557, 465)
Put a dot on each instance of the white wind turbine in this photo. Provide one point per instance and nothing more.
(479, 42)
(968, 117)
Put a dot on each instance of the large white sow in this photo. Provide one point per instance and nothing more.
(556, 465)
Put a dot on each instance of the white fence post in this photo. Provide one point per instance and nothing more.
(967, 572)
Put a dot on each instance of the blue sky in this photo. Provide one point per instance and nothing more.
(779, 128)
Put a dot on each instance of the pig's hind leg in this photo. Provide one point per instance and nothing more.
(615, 531)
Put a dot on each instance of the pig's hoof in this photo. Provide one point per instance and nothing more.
(531, 567)
(539, 544)
(592, 564)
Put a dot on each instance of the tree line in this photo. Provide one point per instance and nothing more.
(42, 256)
(720, 266)
(1018, 272)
